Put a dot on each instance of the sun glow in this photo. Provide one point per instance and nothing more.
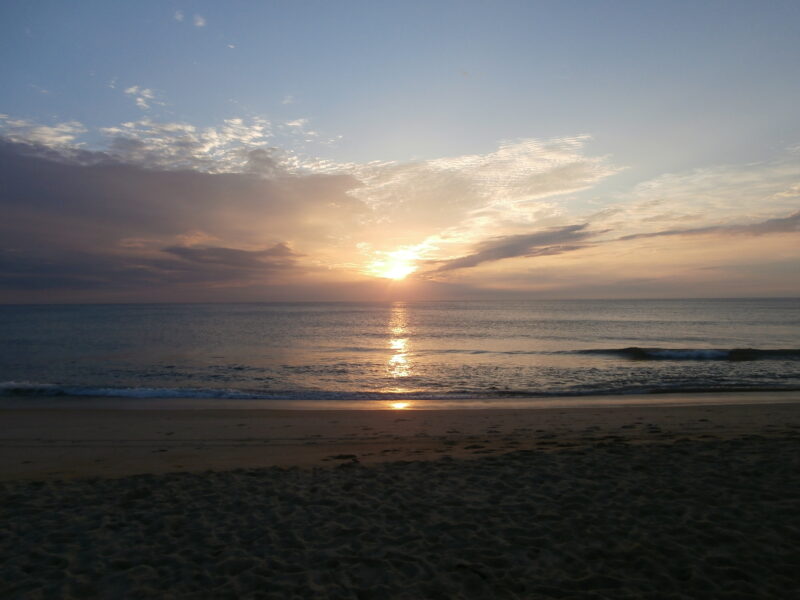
(394, 265)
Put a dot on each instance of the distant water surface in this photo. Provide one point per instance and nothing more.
(441, 350)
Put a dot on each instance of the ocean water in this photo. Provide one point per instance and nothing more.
(368, 351)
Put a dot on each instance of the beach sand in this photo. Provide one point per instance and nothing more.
(632, 501)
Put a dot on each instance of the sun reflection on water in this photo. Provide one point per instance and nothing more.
(399, 344)
(399, 365)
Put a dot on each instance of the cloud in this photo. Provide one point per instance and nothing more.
(226, 148)
(51, 136)
(175, 210)
(197, 20)
(446, 206)
(101, 273)
(541, 243)
(564, 239)
(790, 224)
(287, 99)
(144, 97)
(518, 171)
(101, 223)
(720, 196)
(279, 256)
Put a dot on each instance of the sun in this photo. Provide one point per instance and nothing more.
(394, 265)
(397, 270)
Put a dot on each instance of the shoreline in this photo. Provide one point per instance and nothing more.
(23, 402)
(48, 443)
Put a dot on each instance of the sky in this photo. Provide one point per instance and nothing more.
(175, 151)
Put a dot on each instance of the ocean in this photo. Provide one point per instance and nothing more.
(443, 351)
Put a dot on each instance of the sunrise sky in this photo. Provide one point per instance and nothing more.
(246, 151)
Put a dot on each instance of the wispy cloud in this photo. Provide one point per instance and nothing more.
(197, 20)
(144, 97)
(59, 135)
(448, 205)
(517, 172)
(788, 224)
(541, 243)
(725, 195)
(227, 148)
(235, 145)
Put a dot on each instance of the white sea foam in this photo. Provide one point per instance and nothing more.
(13, 388)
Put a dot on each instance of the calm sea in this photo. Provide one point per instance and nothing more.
(435, 350)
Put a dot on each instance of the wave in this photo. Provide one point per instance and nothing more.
(632, 352)
(50, 390)
(47, 390)
(12, 388)
(732, 354)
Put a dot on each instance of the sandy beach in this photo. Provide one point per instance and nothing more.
(629, 501)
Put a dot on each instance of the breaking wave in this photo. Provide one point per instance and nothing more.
(33, 391)
(733, 354)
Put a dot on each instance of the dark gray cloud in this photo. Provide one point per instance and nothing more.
(179, 266)
(279, 256)
(541, 243)
(84, 220)
(788, 224)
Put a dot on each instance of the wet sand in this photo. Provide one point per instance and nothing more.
(48, 443)
(607, 502)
